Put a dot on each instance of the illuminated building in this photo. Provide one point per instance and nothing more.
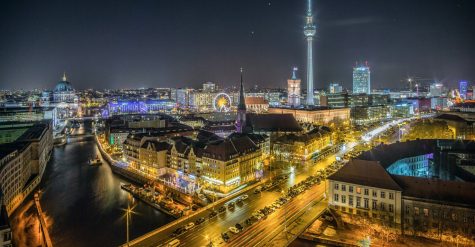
(401, 110)
(416, 188)
(64, 92)
(184, 98)
(439, 103)
(5, 228)
(209, 87)
(310, 30)
(23, 162)
(317, 116)
(257, 104)
(436, 89)
(218, 163)
(463, 87)
(335, 88)
(137, 106)
(361, 79)
(203, 101)
(362, 115)
(298, 148)
(366, 189)
(153, 157)
(293, 89)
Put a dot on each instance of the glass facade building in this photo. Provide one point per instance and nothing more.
(361, 79)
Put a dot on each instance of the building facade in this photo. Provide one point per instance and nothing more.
(361, 79)
(293, 89)
(316, 116)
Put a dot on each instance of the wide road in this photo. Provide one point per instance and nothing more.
(212, 228)
(263, 231)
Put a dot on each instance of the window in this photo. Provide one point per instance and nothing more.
(343, 187)
(336, 186)
(426, 212)
(358, 190)
(375, 204)
(454, 216)
(383, 194)
(391, 208)
(375, 193)
(416, 210)
(358, 201)
(435, 213)
(335, 197)
(343, 199)
(383, 207)
(366, 203)
(366, 192)
(350, 189)
(391, 195)
(350, 200)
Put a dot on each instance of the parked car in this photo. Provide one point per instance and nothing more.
(189, 226)
(199, 221)
(233, 229)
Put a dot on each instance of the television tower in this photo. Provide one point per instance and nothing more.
(309, 30)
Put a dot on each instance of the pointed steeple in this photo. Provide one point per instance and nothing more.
(242, 100)
(64, 77)
(241, 111)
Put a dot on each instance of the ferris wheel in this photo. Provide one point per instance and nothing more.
(222, 102)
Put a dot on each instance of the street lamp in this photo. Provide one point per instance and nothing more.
(128, 212)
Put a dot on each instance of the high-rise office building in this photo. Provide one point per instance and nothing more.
(293, 89)
(362, 79)
(436, 89)
(335, 88)
(463, 87)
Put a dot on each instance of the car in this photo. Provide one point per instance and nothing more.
(231, 205)
(244, 197)
(179, 231)
(256, 191)
(225, 236)
(248, 221)
(199, 221)
(233, 229)
(221, 209)
(212, 214)
(189, 226)
(239, 226)
(239, 200)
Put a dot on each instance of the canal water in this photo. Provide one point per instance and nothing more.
(84, 204)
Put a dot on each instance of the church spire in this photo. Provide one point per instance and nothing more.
(241, 111)
(242, 100)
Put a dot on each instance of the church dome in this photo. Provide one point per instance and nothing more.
(63, 85)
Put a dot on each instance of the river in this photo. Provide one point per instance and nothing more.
(84, 205)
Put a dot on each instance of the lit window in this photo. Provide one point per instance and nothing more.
(383, 194)
(426, 212)
(358, 190)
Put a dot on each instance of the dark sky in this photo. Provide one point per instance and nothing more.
(138, 43)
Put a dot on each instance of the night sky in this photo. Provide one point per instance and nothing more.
(176, 43)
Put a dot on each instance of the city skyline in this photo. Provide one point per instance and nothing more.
(149, 44)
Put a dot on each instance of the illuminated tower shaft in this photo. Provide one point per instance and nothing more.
(309, 31)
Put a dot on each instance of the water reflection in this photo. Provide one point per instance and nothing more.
(85, 202)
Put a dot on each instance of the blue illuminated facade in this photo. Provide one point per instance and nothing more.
(361, 79)
(463, 86)
(130, 107)
(417, 166)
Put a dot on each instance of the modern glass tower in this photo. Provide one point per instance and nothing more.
(309, 30)
(361, 79)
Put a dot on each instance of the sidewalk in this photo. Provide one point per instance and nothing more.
(298, 226)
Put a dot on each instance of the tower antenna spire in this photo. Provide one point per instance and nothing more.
(64, 76)
(309, 10)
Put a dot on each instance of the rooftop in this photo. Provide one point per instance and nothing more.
(273, 122)
(436, 189)
(366, 173)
